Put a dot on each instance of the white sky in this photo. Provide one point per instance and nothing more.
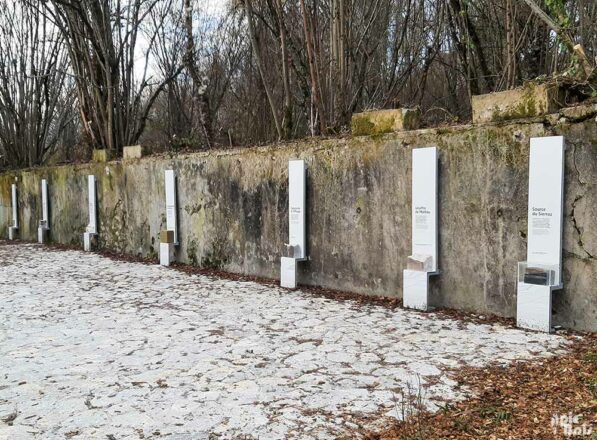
(206, 8)
(213, 7)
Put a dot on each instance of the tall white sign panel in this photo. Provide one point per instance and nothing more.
(296, 208)
(169, 238)
(12, 230)
(424, 204)
(542, 272)
(171, 214)
(44, 223)
(296, 249)
(91, 231)
(45, 212)
(424, 259)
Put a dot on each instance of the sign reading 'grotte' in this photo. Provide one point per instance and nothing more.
(542, 272)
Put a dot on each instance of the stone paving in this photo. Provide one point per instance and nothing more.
(96, 348)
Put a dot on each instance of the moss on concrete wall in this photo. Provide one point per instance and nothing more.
(233, 211)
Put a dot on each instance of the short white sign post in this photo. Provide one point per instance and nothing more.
(296, 249)
(90, 235)
(423, 262)
(541, 274)
(169, 237)
(14, 228)
(44, 224)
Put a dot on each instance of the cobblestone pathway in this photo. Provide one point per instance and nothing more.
(95, 348)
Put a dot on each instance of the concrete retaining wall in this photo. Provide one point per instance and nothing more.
(233, 211)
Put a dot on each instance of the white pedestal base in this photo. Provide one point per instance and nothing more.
(288, 272)
(12, 232)
(166, 253)
(533, 307)
(415, 293)
(42, 235)
(89, 239)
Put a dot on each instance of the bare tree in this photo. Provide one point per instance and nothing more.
(115, 93)
(35, 106)
(183, 75)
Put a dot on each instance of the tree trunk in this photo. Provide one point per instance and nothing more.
(287, 120)
(315, 90)
(257, 53)
(201, 124)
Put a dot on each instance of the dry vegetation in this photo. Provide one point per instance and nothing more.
(516, 402)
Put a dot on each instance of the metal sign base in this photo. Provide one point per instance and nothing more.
(13, 233)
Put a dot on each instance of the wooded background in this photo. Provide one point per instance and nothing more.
(182, 74)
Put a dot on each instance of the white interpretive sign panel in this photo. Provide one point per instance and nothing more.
(424, 203)
(296, 248)
(44, 223)
(296, 207)
(541, 274)
(424, 259)
(14, 226)
(92, 203)
(90, 235)
(169, 237)
(15, 207)
(546, 199)
(171, 210)
(45, 212)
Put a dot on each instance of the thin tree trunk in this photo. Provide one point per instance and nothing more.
(257, 53)
(315, 90)
(202, 122)
(287, 120)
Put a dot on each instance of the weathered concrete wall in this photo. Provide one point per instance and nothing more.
(233, 211)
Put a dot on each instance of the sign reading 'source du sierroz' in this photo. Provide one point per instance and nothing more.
(546, 183)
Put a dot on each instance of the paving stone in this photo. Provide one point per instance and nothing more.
(102, 347)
